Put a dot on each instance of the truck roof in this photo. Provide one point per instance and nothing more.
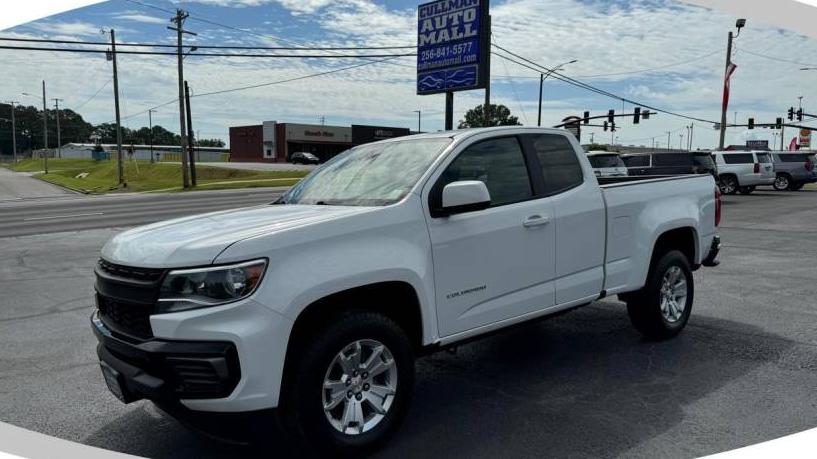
(462, 133)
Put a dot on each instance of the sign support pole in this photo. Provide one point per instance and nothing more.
(487, 64)
(449, 110)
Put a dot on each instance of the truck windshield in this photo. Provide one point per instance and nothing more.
(376, 174)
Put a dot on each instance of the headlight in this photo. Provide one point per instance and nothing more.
(185, 289)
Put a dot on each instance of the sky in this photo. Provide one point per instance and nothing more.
(662, 53)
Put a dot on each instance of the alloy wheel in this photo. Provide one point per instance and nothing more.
(673, 294)
(359, 387)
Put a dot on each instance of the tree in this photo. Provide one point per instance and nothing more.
(500, 115)
(210, 143)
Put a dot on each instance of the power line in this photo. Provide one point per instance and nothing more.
(161, 45)
(573, 81)
(238, 29)
(777, 58)
(94, 96)
(163, 53)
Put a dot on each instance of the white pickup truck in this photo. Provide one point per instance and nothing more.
(311, 310)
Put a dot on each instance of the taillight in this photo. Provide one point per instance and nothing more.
(757, 168)
(717, 206)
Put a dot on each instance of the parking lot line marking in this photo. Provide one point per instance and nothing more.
(62, 216)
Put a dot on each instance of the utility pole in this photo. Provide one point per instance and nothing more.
(691, 131)
(541, 84)
(119, 167)
(13, 131)
(488, 83)
(419, 120)
(45, 131)
(727, 75)
(179, 21)
(190, 139)
(669, 145)
(150, 127)
(59, 141)
(592, 135)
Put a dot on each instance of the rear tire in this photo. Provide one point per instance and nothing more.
(729, 184)
(319, 379)
(746, 189)
(782, 182)
(661, 309)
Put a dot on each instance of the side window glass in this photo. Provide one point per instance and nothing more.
(561, 169)
(499, 163)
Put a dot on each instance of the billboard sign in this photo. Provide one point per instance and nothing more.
(757, 144)
(364, 134)
(452, 45)
(805, 139)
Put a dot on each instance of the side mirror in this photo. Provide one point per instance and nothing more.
(465, 196)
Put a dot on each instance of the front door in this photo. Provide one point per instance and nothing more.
(497, 263)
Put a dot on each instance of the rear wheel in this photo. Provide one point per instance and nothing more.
(729, 184)
(746, 189)
(782, 182)
(351, 385)
(661, 309)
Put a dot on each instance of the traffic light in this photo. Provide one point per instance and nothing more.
(751, 123)
(637, 115)
(645, 114)
(605, 126)
(611, 116)
(778, 124)
(586, 117)
(800, 114)
(791, 114)
(612, 127)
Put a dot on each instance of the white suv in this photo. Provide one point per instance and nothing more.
(742, 171)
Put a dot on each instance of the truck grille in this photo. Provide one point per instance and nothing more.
(127, 272)
(126, 318)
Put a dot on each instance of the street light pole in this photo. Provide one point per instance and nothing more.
(150, 127)
(45, 131)
(727, 71)
(59, 140)
(542, 78)
(13, 131)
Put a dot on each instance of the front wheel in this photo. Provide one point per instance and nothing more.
(661, 309)
(781, 182)
(746, 189)
(351, 385)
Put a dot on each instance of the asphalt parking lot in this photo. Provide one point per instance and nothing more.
(580, 385)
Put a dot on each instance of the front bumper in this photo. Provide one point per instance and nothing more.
(166, 371)
(714, 250)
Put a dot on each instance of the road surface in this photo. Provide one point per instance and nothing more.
(72, 212)
(15, 185)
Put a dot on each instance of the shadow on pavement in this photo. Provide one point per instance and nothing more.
(584, 385)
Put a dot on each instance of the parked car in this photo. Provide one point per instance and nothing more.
(313, 309)
(742, 171)
(670, 163)
(793, 170)
(302, 157)
(606, 164)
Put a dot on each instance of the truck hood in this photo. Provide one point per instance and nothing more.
(197, 240)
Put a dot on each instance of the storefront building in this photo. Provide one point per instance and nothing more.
(275, 142)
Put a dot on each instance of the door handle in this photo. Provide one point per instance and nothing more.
(535, 220)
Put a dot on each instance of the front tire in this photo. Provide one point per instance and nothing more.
(662, 308)
(351, 385)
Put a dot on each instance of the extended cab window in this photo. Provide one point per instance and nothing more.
(561, 169)
(499, 163)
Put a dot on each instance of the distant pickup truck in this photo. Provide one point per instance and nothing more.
(311, 310)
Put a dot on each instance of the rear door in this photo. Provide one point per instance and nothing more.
(766, 168)
(493, 264)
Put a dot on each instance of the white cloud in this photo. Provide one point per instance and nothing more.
(66, 28)
(143, 18)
